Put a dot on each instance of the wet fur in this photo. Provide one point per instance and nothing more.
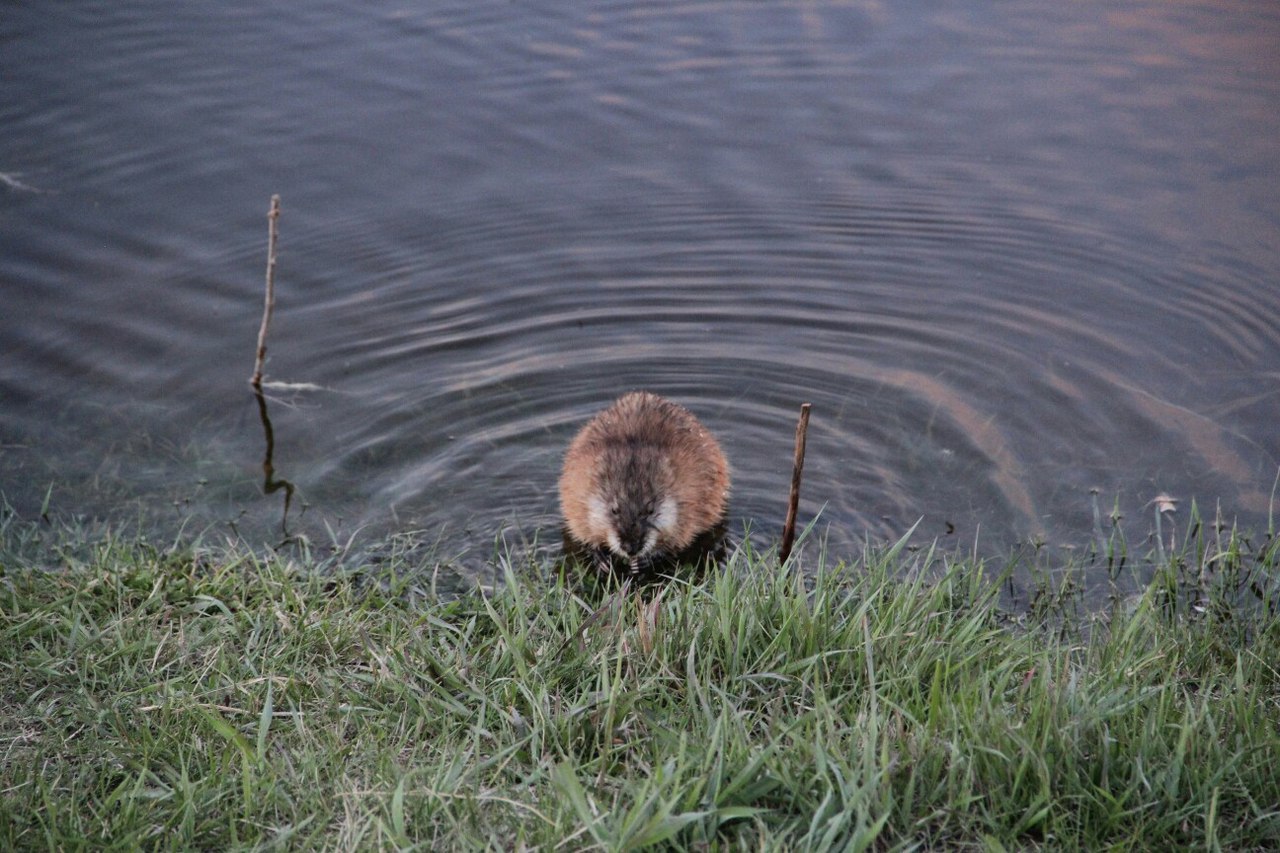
(644, 483)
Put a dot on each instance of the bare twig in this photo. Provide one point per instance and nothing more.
(270, 482)
(793, 504)
(273, 216)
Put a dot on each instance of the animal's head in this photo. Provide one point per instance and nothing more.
(633, 502)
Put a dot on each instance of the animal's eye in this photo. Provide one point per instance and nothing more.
(615, 510)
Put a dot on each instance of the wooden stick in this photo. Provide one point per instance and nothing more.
(793, 505)
(273, 215)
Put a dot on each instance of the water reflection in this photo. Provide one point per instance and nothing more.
(270, 482)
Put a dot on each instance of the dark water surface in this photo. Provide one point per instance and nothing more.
(1010, 252)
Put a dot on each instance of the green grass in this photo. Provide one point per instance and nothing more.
(213, 698)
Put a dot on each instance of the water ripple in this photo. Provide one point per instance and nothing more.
(1009, 256)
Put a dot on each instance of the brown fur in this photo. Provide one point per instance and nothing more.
(626, 462)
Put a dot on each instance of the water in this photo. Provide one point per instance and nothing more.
(1011, 254)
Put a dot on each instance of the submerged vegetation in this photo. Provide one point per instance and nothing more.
(213, 697)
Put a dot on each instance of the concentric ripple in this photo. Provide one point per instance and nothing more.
(1013, 257)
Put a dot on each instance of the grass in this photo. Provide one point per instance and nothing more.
(211, 697)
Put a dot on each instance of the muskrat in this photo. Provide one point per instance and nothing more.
(645, 483)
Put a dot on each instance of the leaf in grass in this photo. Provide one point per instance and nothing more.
(264, 724)
(665, 827)
(397, 811)
(222, 727)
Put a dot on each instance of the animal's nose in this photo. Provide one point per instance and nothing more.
(633, 543)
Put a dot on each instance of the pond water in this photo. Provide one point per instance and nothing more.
(1011, 253)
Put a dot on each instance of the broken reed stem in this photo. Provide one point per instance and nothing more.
(793, 504)
(273, 216)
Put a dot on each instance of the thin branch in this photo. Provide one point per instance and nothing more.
(273, 217)
(793, 504)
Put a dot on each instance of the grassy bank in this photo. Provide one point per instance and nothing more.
(214, 698)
